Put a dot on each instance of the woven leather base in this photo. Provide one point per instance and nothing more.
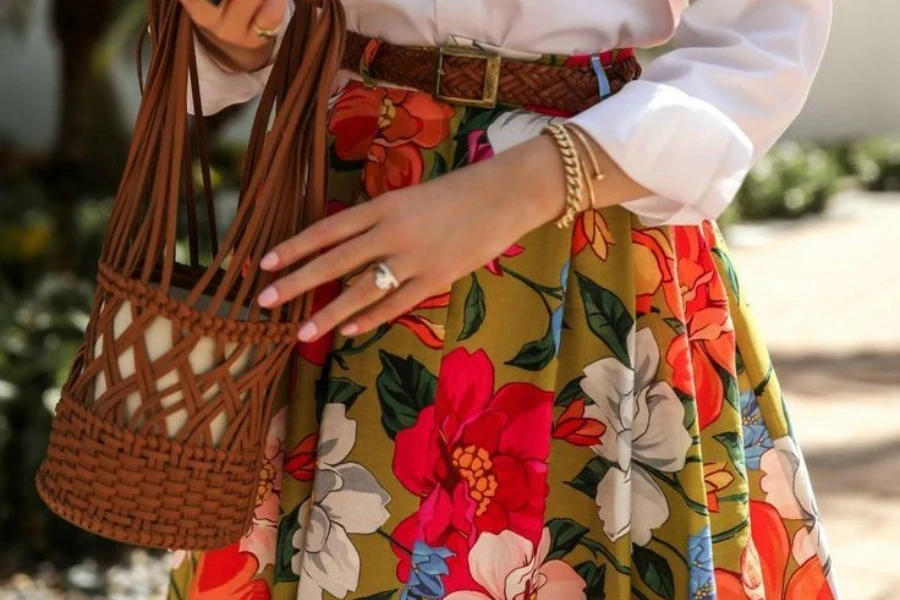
(145, 490)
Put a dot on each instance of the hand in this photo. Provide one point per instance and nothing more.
(430, 235)
(228, 29)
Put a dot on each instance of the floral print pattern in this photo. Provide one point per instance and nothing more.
(590, 416)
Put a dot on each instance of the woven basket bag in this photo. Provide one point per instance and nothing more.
(158, 436)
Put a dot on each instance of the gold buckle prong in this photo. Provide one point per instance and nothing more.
(491, 75)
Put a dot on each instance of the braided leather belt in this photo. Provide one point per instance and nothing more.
(470, 76)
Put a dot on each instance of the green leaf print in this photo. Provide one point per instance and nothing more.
(479, 119)
(535, 355)
(654, 571)
(587, 481)
(730, 273)
(405, 387)
(735, 447)
(732, 393)
(287, 526)
(439, 167)
(381, 595)
(607, 317)
(571, 392)
(594, 579)
(343, 391)
(690, 413)
(342, 165)
(475, 311)
(335, 390)
(564, 536)
(676, 325)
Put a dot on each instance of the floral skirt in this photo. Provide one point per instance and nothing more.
(591, 415)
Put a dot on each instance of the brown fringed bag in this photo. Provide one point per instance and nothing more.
(158, 436)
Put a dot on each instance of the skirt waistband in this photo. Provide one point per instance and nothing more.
(470, 76)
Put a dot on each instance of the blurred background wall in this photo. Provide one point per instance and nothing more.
(814, 233)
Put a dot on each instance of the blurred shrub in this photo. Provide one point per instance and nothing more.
(875, 163)
(792, 180)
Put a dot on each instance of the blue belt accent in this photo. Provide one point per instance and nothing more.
(602, 79)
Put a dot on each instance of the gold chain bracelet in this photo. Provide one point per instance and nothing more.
(575, 178)
(598, 173)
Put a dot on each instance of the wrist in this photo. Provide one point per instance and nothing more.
(536, 180)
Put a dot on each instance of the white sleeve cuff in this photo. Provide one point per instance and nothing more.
(690, 154)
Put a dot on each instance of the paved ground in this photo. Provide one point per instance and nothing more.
(826, 297)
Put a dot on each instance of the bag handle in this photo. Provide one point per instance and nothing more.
(284, 184)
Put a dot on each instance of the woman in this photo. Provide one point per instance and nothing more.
(536, 411)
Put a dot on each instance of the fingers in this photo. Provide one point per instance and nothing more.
(343, 259)
(391, 307)
(320, 235)
(354, 299)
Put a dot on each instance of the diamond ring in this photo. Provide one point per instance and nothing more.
(385, 280)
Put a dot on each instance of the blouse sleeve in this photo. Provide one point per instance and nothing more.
(220, 87)
(690, 129)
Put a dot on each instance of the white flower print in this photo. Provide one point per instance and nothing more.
(509, 567)
(346, 499)
(787, 486)
(645, 431)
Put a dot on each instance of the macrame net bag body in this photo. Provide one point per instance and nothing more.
(158, 436)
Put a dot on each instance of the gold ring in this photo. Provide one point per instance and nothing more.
(264, 33)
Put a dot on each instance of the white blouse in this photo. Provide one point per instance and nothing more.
(689, 129)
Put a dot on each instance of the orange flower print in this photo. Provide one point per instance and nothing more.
(386, 128)
(709, 348)
(227, 574)
(591, 229)
(716, 478)
(429, 333)
(576, 428)
(654, 270)
(765, 562)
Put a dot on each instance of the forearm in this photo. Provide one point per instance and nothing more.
(536, 181)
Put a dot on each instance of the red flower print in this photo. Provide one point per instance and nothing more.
(710, 344)
(591, 229)
(477, 458)
(494, 265)
(429, 333)
(386, 128)
(764, 565)
(316, 352)
(227, 574)
(404, 538)
(573, 427)
(301, 461)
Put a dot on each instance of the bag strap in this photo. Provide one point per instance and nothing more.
(284, 183)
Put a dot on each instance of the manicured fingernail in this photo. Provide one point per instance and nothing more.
(349, 329)
(269, 261)
(307, 332)
(268, 297)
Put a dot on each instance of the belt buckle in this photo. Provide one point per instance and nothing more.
(491, 76)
